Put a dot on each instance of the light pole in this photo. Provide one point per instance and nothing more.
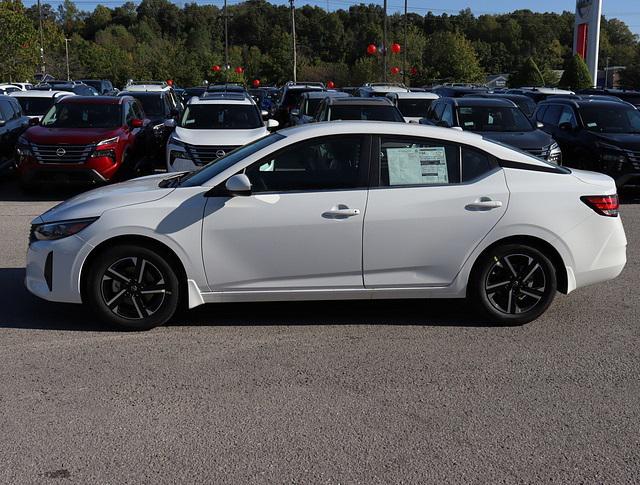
(66, 51)
(226, 37)
(384, 43)
(42, 66)
(293, 35)
(404, 47)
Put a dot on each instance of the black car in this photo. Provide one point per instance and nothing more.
(74, 87)
(525, 103)
(13, 123)
(632, 97)
(496, 119)
(192, 92)
(309, 103)
(159, 106)
(103, 86)
(291, 94)
(458, 91)
(595, 134)
(355, 108)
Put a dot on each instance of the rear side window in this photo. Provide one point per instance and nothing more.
(6, 112)
(540, 113)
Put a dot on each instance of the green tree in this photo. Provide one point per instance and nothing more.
(528, 74)
(450, 56)
(19, 48)
(576, 74)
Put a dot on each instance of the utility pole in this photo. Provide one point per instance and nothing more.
(606, 75)
(66, 50)
(226, 37)
(293, 35)
(404, 47)
(384, 44)
(42, 66)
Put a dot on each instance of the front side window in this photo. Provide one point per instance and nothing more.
(447, 114)
(89, 115)
(221, 116)
(374, 113)
(326, 164)
(491, 118)
(567, 116)
(611, 119)
(552, 115)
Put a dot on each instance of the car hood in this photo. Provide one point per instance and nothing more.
(57, 136)
(95, 202)
(525, 140)
(626, 141)
(219, 137)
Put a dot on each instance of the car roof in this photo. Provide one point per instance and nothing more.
(154, 88)
(222, 97)
(415, 95)
(581, 102)
(36, 93)
(94, 99)
(137, 94)
(326, 94)
(481, 101)
(356, 101)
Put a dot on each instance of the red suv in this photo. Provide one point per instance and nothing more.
(85, 140)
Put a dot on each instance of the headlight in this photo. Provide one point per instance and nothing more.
(555, 154)
(108, 141)
(158, 127)
(58, 230)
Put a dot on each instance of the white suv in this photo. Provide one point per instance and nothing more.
(36, 103)
(212, 125)
(413, 105)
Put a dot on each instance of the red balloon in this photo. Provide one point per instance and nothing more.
(331, 85)
(395, 48)
(239, 70)
(215, 68)
(414, 71)
(256, 83)
(372, 49)
(170, 82)
(395, 70)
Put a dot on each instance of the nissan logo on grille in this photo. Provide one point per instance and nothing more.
(220, 153)
(60, 152)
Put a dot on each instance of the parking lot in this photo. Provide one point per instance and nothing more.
(336, 392)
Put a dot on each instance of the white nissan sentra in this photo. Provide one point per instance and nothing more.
(331, 211)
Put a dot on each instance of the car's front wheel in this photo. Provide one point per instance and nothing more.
(132, 287)
(513, 284)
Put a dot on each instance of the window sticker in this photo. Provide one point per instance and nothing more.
(465, 110)
(417, 166)
(592, 125)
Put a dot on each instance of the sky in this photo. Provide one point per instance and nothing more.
(626, 10)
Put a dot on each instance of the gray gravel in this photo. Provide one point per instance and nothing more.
(356, 392)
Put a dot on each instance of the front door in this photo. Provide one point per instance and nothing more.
(433, 204)
(302, 226)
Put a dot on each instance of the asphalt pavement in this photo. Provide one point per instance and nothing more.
(348, 392)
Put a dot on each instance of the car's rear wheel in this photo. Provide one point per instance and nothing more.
(132, 287)
(513, 284)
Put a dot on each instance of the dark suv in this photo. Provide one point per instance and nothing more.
(103, 86)
(497, 119)
(632, 97)
(12, 124)
(596, 134)
(290, 99)
(85, 140)
(353, 108)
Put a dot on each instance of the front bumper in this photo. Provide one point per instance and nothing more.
(95, 170)
(52, 273)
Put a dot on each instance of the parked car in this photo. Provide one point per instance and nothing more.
(191, 92)
(8, 88)
(540, 94)
(413, 105)
(290, 98)
(353, 108)
(92, 139)
(158, 106)
(264, 102)
(458, 91)
(35, 104)
(102, 86)
(629, 96)
(292, 217)
(12, 124)
(373, 90)
(23, 86)
(497, 119)
(71, 86)
(309, 103)
(598, 135)
(212, 126)
(525, 103)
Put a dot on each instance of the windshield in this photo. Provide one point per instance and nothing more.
(152, 105)
(292, 96)
(221, 117)
(97, 85)
(609, 119)
(35, 106)
(489, 118)
(89, 115)
(210, 170)
(414, 108)
(311, 106)
(375, 113)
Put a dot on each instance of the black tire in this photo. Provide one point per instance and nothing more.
(513, 284)
(132, 287)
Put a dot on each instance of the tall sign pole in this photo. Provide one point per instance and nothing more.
(404, 47)
(226, 37)
(384, 44)
(293, 35)
(42, 66)
(586, 35)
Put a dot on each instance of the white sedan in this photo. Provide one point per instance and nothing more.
(329, 211)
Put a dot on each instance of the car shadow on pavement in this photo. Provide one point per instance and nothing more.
(10, 191)
(23, 310)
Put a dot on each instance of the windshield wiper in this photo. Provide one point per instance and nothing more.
(172, 181)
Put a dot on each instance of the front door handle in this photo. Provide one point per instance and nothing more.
(340, 211)
(484, 204)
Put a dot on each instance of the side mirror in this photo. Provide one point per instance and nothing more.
(294, 112)
(539, 125)
(238, 185)
(264, 113)
(568, 127)
(272, 124)
(3, 122)
(170, 123)
(137, 123)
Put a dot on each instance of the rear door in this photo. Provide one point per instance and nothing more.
(430, 204)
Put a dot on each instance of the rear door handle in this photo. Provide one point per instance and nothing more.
(483, 204)
(340, 211)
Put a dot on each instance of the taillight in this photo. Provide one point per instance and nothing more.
(605, 205)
